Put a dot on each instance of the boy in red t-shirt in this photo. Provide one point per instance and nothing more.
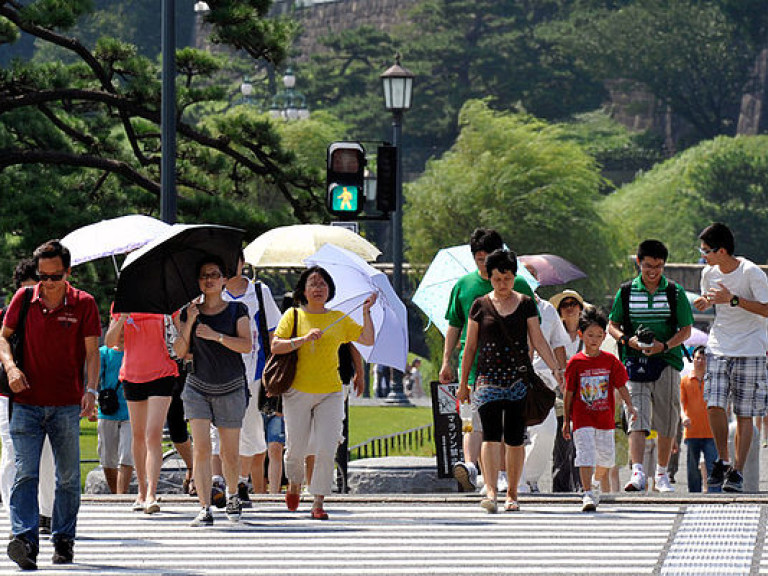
(590, 379)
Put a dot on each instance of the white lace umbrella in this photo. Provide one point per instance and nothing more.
(112, 237)
(355, 280)
(288, 246)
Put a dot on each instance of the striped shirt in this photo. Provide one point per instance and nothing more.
(652, 310)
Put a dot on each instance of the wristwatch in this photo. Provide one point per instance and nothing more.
(734, 301)
(221, 338)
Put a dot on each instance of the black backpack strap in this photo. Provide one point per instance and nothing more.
(626, 325)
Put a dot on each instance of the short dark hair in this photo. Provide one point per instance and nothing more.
(717, 236)
(212, 259)
(652, 249)
(702, 349)
(25, 270)
(592, 316)
(53, 249)
(485, 240)
(501, 260)
(301, 285)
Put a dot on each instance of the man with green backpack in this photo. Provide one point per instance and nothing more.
(650, 318)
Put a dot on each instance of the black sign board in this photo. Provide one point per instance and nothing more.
(448, 437)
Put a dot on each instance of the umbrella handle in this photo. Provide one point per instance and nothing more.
(332, 324)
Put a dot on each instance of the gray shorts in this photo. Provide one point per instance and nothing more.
(657, 404)
(114, 443)
(226, 411)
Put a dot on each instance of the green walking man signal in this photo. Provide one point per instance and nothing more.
(345, 178)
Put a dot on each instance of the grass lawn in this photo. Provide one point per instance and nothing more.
(367, 422)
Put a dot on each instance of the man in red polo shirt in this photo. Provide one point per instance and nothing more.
(61, 335)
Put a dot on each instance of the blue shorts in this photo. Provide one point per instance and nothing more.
(274, 427)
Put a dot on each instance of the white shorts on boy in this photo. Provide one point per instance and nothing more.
(594, 447)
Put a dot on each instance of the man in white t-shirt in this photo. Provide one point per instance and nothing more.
(253, 446)
(541, 438)
(737, 345)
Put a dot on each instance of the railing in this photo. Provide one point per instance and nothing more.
(381, 445)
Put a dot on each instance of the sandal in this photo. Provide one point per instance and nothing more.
(319, 514)
(489, 505)
(511, 506)
(191, 490)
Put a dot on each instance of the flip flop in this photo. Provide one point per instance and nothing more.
(488, 505)
(511, 506)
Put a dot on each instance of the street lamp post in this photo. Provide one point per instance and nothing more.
(398, 92)
(289, 104)
(168, 114)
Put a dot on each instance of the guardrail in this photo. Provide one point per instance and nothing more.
(381, 445)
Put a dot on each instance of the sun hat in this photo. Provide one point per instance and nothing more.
(558, 298)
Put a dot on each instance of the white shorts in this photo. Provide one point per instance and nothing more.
(114, 443)
(594, 447)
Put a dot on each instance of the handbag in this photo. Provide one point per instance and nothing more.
(17, 343)
(267, 405)
(281, 368)
(109, 403)
(644, 368)
(539, 398)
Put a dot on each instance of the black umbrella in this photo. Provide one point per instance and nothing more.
(161, 277)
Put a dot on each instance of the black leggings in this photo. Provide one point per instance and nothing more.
(177, 425)
(503, 418)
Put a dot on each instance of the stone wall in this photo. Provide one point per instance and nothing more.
(321, 18)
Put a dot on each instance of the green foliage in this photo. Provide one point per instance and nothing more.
(688, 53)
(522, 177)
(725, 180)
(612, 145)
(80, 136)
(458, 50)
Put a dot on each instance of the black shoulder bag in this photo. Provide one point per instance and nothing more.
(539, 398)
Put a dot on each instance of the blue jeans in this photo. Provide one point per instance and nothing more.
(697, 447)
(29, 426)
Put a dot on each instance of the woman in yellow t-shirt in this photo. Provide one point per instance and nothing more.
(315, 402)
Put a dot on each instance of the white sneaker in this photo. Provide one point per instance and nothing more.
(503, 483)
(661, 483)
(636, 482)
(596, 492)
(589, 502)
(203, 518)
(234, 508)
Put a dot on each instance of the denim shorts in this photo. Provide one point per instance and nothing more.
(275, 428)
(226, 411)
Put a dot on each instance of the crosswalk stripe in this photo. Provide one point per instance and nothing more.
(435, 538)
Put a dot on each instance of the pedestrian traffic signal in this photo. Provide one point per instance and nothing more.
(345, 178)
(386, 179)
